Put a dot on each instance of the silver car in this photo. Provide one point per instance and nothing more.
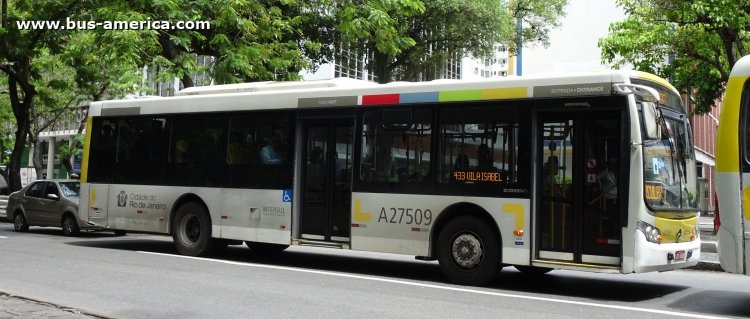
(47, 203)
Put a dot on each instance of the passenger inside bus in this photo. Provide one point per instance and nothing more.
(484, 158)
(552, 166)
(608, 180)
(271, 153)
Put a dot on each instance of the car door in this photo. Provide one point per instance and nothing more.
(50, 210)
(31, 202)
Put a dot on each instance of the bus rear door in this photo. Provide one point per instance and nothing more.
(326, 179)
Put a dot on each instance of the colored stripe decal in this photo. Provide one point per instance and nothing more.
(423, 97)
(86, 148)
(460, 95)
(505, 93)
(380, 99)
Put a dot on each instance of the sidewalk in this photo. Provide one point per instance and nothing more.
(709, 257)
(19, 307)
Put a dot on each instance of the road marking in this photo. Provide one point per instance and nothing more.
(3, 237)
(466, 290)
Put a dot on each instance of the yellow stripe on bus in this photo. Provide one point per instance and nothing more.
(654, 78)
(86, 148)
(727, 142)
(505, 93)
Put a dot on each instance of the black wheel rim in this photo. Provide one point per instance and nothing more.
(68, 225)
(191, 229)
(467, 250)
(19, 222)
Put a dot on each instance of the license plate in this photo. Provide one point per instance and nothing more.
(679, 255)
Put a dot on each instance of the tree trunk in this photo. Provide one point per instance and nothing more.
(36, 161)
(14, 167)
(21, 109)
(380, 66)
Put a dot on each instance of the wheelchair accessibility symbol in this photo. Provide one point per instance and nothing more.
(286, 196)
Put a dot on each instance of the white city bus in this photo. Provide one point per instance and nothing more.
(592, 172)
(733, 171)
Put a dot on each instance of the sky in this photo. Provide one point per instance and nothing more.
(573, 45)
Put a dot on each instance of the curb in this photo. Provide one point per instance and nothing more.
(707, 266)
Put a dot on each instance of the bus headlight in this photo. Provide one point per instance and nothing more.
(652, 233)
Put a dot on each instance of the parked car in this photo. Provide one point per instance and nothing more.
(47, 203)
(4, 189)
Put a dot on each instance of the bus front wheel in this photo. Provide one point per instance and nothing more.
(469, 251)
(191, 230)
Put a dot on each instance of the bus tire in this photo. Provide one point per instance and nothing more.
(191, 230)
(262, 248)
(469, 251)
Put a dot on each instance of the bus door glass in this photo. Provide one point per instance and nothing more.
(578, 208)
(326, 180)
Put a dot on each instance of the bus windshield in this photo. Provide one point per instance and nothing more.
(669, 166)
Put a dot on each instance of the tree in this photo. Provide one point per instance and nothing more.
(694, 43)
(19, 48)
(411, 39)
(249, 40)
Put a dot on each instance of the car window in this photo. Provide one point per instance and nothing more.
(36, 189)
(51, 189)
(70, 188)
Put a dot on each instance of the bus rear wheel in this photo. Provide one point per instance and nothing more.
(469, 251)
(191, 231)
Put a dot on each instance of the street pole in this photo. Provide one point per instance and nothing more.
(519, 47)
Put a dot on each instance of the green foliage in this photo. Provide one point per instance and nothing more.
(694, 43)
(250, 40)
(538, 16)
(68, 150)
(412, 39)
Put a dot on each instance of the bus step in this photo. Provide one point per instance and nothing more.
(319, 243)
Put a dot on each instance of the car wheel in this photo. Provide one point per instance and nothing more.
(191, 231)
(70, 226)
(120, 232)
(469, 251)
(257, 247)
(19, 223)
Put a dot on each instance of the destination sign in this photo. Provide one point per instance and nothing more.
(474, 176)
(654, 192)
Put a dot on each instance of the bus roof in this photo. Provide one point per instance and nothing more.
(348, 92)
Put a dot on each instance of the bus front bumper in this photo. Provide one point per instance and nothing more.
(663, 257)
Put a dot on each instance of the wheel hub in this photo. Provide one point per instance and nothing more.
(467, 251)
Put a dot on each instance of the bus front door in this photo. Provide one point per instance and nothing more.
(326, 180)
(578, 210)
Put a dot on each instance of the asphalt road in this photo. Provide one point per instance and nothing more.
(141, 276)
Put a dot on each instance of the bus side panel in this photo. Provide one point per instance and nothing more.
(263, 215)
(731, 230)
(731, 237)
(746, 218)
(93, 203)
(403, 223)
(141, 208)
